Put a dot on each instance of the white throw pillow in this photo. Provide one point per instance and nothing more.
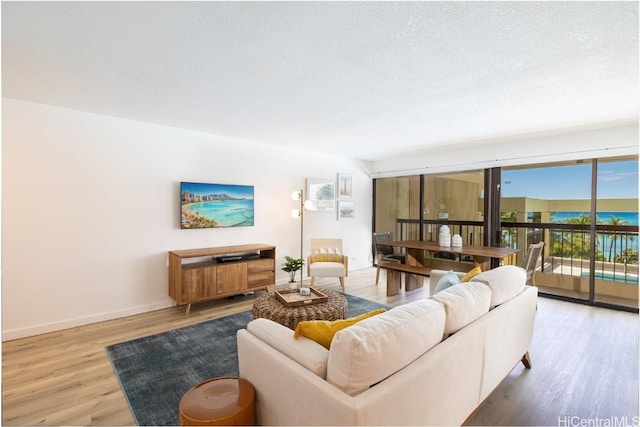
(463, 303)
(505, 282)
(373, 349)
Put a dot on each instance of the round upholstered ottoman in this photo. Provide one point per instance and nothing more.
(268, 307)
(219, 401)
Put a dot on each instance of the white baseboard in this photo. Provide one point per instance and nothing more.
(81, 321)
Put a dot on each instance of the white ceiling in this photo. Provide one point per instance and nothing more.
(364, 79)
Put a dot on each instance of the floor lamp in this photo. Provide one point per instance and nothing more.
(299, 213)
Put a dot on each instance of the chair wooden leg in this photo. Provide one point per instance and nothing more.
(526, 360)
(377, 274)
(312, 280)
(342, 283)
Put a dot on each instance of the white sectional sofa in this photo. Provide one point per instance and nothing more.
(428, 362)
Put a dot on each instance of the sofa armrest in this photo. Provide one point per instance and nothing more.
(286, 392)
(306, 352)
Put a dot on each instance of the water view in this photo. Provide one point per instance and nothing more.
(627, 218)
(227, 213)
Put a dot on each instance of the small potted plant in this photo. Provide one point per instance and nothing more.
(291, 266)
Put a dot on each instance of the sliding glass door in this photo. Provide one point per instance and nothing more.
(616, 233)
(585, 212)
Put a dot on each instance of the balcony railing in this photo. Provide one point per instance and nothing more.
(566, 262)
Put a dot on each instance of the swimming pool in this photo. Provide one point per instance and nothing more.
(618, 277)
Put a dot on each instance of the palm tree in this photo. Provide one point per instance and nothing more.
(614, 221)
(508, 232)
(576, 244)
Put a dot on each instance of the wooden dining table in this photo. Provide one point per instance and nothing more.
(479, 253)
(414, 269)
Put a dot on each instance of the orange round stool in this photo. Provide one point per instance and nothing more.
(219, 401)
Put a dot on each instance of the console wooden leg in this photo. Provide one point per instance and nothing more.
(526, 360)
(188, 309)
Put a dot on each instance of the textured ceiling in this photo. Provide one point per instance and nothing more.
(364, 79)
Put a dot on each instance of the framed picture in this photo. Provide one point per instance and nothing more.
(344, 186)
(322, 194)
(346, 209)
(204, 205)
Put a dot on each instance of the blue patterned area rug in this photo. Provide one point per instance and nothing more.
(155, 371)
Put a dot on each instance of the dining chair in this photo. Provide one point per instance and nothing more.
(384, 252)
(533, 260)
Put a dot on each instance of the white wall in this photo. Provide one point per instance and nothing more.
(90, 207)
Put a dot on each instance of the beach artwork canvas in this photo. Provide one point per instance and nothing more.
(215, 205)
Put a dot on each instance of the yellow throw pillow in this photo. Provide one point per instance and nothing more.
(326, 255)
(471, 274)
(322, 331)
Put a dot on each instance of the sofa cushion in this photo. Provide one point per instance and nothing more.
(306, 352)
(371, 350)
(327, 269)
(446, 281)
(505, 282)
(322, 331)
(463, 304)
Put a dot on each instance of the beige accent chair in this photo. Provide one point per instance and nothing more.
(327, 260)
(533, 261)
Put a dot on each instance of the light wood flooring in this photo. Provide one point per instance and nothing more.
(585, 365)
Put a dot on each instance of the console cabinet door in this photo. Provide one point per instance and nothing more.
(261, 273)
(198, 283)
(231, 278)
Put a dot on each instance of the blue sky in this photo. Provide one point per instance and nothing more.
(240, 191)
(615, 180)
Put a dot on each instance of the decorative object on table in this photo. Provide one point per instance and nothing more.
(292, 265)
(344, 186)
(444, 237)
(456, 241)
(215, 205)
(346, 209)
(296, 298)
(327, 260)
(321, 194)
(305, 292)
(299, 213)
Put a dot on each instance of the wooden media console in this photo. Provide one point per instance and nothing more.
(224, 271)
